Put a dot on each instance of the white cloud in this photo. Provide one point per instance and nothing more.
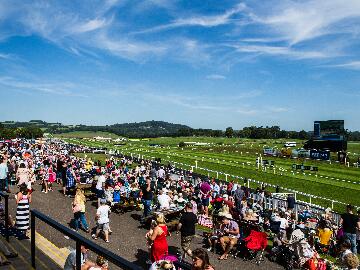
(5, 56)
(202, 21)
(57, 88)
(299, 21)
(248, 111)
(278, 29)
(281, 51)
(90, 25)
(350, 65)
(278, 109)
(215, 77)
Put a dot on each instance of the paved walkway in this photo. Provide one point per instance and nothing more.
(127, 239)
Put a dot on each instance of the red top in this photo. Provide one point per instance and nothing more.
(160, 245)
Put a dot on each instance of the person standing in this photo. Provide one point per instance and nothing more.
(158, 235)
(291, 202)
(100, 184)
(23, 200)
(205, 191)
(70, 180)
(350, 223)
(79, 210)
(186, 226)
(4, 170)
(147, 197)
(238, 195)
(102, 217)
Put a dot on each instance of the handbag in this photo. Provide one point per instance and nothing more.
(76, 208)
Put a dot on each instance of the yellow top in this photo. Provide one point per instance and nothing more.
(324, 236)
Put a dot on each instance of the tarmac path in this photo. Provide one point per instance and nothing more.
(127, 239)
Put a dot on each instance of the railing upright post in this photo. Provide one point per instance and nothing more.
(7, 218)
(78, 255)
(33, 241)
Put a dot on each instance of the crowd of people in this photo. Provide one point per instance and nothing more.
(239, 221)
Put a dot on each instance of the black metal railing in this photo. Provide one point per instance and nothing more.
(6, 198)
(80, 241)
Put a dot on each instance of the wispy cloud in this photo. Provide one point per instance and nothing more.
(299, 21)
(90, 25)
(281, 51)
(5, 56)
(200, 20)
(215, 77)
(278, 109)
(58, 88)
(277, 29)
(350, 65)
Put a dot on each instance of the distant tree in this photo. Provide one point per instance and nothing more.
(303, 135)
(182, 144)
(229, 132)
(217, 133)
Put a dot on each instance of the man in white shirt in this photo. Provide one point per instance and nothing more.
(102, 217)
(161, 173)
(164, 200)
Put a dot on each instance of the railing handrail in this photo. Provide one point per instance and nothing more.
(6, 197)
(112, 257)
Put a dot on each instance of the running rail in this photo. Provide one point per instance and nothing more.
(80, 240)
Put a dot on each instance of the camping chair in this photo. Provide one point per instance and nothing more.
(256, 244)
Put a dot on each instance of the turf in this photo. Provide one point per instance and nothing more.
(238, 157)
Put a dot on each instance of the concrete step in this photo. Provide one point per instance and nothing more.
(23, 261)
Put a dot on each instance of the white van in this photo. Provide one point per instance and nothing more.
(290, 144)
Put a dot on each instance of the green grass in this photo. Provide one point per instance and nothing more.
(93, 157)
(237, 157)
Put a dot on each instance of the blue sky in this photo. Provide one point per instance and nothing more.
(209, 64)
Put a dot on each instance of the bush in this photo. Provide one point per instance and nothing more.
(182, 144)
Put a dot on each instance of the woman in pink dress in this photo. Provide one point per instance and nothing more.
(51, 177)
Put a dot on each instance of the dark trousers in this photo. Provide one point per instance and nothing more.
(3, 184)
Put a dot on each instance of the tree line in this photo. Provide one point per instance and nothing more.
(28, 132)
(153, 129)
(253, 132)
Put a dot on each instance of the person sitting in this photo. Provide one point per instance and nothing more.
(101, 264)
(70, 263)
(162, 265)
(164, 200)
(230, 236)
(250, 216)
(351, 261)
(180, 201)
(344, 250)
(324, 235)
(200, 260)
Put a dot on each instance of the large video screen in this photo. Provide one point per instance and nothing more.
(330, 127)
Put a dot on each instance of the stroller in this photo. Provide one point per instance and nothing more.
(283, 256)
(255, 244)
